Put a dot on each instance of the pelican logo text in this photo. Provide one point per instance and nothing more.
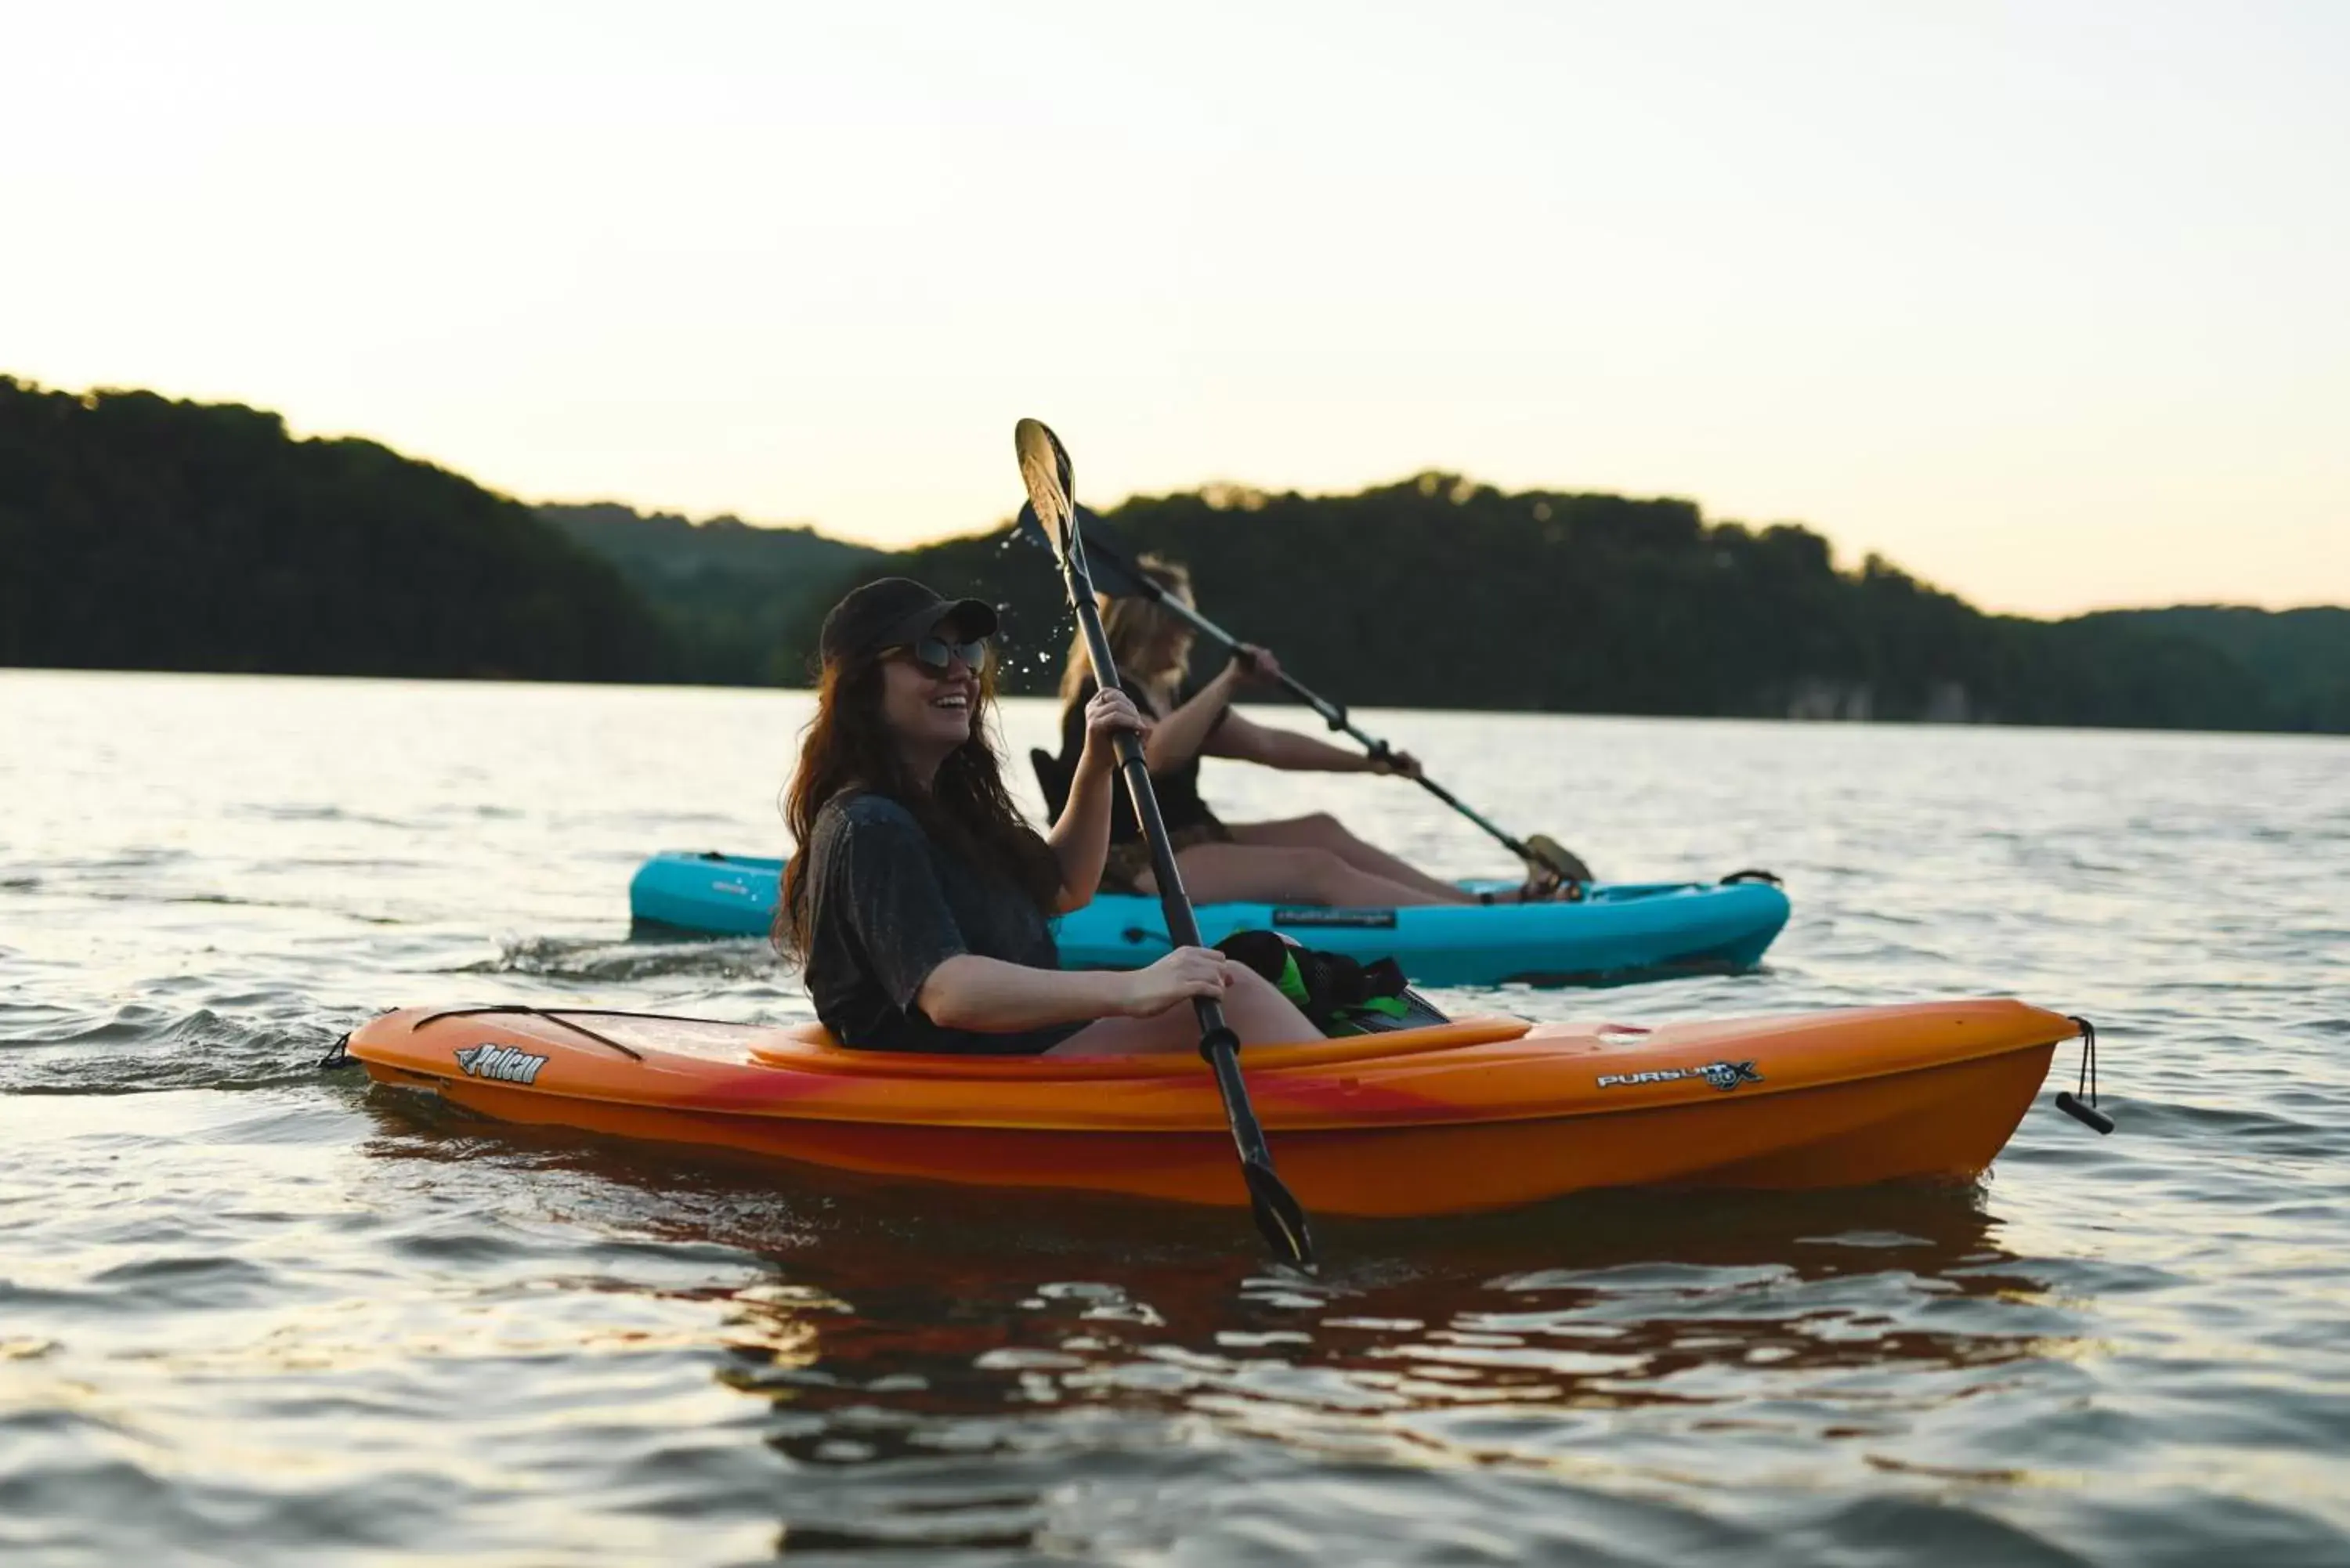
(1720, 1074)
(503, 1062)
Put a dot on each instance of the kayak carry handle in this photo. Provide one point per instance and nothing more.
(2088, 1114)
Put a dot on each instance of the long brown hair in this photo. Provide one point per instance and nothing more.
(1135, 626)
(967, 810)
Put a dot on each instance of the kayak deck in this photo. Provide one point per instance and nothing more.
(1476, 1113)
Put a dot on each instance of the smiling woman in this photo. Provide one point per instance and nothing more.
(918, 905)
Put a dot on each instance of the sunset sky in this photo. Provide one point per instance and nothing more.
(2050, 302)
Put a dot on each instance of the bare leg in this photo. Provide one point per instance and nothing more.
(1323, 831)
(1258, 1013)
(1228, 873)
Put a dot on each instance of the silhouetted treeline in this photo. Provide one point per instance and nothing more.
(141, 532)
(730, 593)
(1437, 592)
(2301, 657)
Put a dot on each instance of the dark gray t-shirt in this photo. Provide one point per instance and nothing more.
(887, 906)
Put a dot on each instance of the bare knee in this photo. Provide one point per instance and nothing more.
(1261, 1015)
(1316, 830)
(1327, 875)
(1322, 830)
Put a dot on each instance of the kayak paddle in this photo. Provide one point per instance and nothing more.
(1045, 469)
(1120, 576)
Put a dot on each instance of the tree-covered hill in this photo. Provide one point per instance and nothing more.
(2301, 655)
(1438, 592)
(729, 593)
(141, 532)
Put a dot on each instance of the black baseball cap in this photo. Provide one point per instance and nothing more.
(896, 610)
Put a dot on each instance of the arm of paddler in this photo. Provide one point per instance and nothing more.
(1080, 839)
(1271, 747)
(989, 996)
(1188, 729)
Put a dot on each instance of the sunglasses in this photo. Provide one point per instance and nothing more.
(936, 655)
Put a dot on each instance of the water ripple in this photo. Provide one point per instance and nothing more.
(251, 1313)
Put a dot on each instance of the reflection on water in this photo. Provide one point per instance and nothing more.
(1625, 1341)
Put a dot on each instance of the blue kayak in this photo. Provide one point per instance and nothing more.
(1620, 930)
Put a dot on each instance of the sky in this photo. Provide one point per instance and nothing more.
(2049, 302)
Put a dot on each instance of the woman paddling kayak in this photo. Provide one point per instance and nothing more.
(918, 903)
(1311, 859)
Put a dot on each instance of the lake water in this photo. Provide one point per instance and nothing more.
(249, 1314)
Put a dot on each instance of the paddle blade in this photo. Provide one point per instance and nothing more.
(1106, 561)
(1052, 488)
(1279, 1216)
(1549, 854)
(1031, 528)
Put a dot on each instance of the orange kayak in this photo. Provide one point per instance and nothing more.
(1478, 1113)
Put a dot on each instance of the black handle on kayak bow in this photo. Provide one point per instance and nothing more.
(1046, 469)
(1122, 576)
(2085, 1112)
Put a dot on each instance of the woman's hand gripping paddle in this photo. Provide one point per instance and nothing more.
(1045, 469)
(1544, 856)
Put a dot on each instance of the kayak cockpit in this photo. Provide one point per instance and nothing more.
(807, 1048)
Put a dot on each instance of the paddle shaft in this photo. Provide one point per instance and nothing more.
(1218, 1043)
(1332, 713)
(1045, 470)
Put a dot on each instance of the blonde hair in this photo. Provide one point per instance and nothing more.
(1138, 633)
